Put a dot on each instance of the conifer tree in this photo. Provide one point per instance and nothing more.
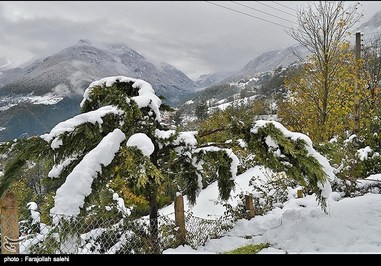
(146, 154)
(201, 110)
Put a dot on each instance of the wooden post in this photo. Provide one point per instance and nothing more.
(299, 193)
(180, 219)
(9, 224)
(249, 207)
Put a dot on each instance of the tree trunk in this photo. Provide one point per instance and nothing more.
(153, 221)
(325, 99)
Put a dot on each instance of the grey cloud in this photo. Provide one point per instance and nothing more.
(196, 37)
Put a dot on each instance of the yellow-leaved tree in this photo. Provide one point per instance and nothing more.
(321, 93)
(313, 110)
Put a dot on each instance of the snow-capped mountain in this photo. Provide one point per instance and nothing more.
(373, 25)
(256, 74)
(49, 90)
(6, 63)
(269, 61)
(210, 79)
(73, 69)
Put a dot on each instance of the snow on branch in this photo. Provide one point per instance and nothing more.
(235, 161)
(70, 124)
(57, 168)
(324, 163)
(70, 197)
(146, 97)
(142, 142)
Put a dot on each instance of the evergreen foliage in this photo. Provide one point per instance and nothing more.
(201, 111)
(284, 154)
(147, 182)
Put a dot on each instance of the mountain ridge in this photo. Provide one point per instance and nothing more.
(39, 87)
(78, 65)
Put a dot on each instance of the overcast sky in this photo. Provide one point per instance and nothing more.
(196, 37)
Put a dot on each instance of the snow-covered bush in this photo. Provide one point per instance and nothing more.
(273, 192)
(355, 156)
(293, 154)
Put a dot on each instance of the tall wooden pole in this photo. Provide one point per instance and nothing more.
(356, 88)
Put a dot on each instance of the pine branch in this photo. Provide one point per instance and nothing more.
(210, 132)
(215, 144)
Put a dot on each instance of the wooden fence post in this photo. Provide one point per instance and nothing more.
(299, 193)
(180, 219)
(9, 224)
(249, 207)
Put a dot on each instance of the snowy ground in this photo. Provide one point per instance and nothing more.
(208, 206)
(352, 225)
(47, 99)
(223, 105)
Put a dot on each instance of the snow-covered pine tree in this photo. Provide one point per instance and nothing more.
(119, 134)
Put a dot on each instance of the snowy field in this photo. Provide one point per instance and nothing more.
(352, 225)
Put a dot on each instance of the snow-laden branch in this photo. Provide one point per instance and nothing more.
(57, 168)
(70, 197)
(235, 161)
(327, 168)
(70, 124)
(146, 97)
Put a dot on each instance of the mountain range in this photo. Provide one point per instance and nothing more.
(35, 97)
(41, 85)
(211, 79)
(269, 61)
(70, 71)
(265, 64)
